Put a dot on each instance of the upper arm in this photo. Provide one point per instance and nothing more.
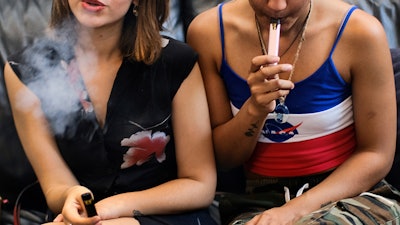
(204, 37)
(373, 85)
(191, 125)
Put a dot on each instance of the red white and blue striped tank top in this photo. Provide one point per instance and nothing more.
(319, 134)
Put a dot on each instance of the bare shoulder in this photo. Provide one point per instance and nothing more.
(363, 35)
(360, 30)
(203, 25)
(364, 41)
(360, 25)
(366, 27)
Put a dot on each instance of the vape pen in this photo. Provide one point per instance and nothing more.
(274, 34)
(88, 201)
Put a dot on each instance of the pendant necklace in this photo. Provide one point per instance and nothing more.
(281, 110)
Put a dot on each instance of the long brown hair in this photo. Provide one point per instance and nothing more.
(140, 39)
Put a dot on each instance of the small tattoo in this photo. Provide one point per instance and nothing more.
(250, 132)
(325, 204)
(137, 213)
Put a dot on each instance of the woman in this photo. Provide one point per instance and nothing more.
(105, 105)
(319, 117)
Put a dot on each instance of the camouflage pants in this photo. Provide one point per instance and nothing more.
(380, 206)
(367, 208)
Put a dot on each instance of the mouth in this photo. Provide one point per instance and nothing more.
(93, 2)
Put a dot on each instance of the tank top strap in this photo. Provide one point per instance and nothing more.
(221, 29)
(342, 26)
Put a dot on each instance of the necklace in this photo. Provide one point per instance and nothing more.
(281, 110)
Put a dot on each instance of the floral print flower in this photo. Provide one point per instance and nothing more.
(143, 145)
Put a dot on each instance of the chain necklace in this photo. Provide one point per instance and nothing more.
(281, 110)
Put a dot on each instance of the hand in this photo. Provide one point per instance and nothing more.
(275, 216)
(265, 85)
(73, 211)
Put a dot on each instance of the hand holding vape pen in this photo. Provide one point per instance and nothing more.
(88, 201)
(274, 35)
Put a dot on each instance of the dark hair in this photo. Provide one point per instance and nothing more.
(140, 39)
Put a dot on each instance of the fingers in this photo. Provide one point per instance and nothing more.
(265, 80)
(73, 211)
(263, 60)
(265, 85)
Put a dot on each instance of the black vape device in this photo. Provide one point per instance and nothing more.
(88, 201)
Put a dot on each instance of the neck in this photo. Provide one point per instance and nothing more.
(101, 42)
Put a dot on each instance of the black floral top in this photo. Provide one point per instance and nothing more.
(135, 148)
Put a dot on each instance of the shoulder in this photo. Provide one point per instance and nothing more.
(208, 17)
(361, 29)
(177, 58)
(364, 37)
(360, 25)
(177, 50)
(365, 26)
(42, 54)
(209, 29)
(207, 24)
(204, 28)
(46, 49)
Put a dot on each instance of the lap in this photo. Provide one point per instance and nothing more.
(378, 206)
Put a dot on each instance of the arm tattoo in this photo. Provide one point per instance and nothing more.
(251, 131)
(325, 204)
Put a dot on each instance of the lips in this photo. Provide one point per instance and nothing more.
(93, 6)
(94, 2)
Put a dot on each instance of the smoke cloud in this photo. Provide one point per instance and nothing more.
(46, 67)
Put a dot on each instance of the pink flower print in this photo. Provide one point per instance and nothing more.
(142, 146)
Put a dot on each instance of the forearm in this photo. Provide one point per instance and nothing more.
(176, 196)
(235, 140)
(358, 174)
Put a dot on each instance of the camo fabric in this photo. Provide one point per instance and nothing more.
(379, 206)
(365, 209)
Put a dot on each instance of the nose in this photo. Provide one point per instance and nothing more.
(277, 5)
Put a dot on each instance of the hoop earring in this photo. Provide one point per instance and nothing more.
(135, 10)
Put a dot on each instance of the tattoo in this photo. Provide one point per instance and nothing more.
(325, 204)
(137, 213)
(251, 131)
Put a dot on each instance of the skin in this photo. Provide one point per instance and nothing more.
(195, 186)
(362, 58)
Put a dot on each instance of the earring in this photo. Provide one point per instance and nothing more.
(135, 10)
